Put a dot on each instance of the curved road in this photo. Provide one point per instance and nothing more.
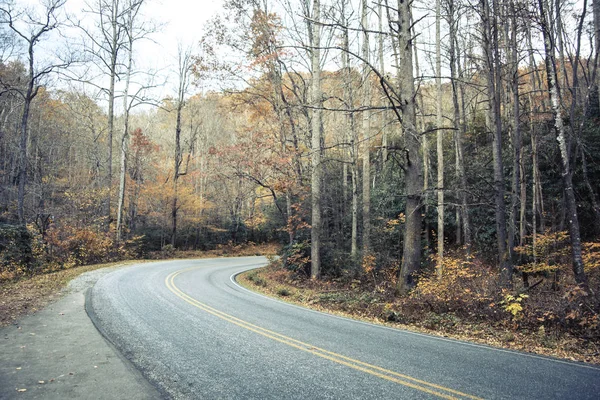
(196, 334)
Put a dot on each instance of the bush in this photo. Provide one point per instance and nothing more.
(466, 288)
(296, 257)
(16, 255)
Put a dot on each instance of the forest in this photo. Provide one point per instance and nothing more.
(443, 151)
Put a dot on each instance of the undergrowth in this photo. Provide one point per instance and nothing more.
(547, 313)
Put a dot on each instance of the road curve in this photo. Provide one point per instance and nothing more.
(196, 334)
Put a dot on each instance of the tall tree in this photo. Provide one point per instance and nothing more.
(559, 128)
(366, 130)
(460, 125)
(411, 258)
(316, 126)
(133, 32)
(440, 139)
(184, 69)
(36, 29)
(104, 46)
(491, 51)
(351, 126)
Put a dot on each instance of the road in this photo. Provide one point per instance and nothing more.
(196, 334)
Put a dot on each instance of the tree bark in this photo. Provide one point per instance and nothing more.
(315, 231)
(570, 202)
(351, 125)
(459, 128)
(366, 131)
(492, 60)
(440, 142)
(516, 134)
(411, 258)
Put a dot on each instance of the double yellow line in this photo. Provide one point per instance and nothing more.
(392, 376)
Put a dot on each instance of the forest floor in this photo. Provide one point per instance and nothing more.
(31, 293)
(350, 299)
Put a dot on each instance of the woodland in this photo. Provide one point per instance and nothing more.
(446, 152)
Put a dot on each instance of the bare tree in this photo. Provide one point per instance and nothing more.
(104, 46)
(36, 29)
(366, 142)
(133, 32)
(316, 126)
(567, 174)
(491, 51)
(184, 69)
(440, 140)
(411, 259)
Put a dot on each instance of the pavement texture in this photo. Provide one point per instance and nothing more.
(58, 353)
(196, 334)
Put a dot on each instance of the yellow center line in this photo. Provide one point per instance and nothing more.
(374, 370)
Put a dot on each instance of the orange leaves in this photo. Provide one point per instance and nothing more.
(392, 225)
(552, 252)
(464, 284)
(591, 256)
(549, 253)
(368, 263)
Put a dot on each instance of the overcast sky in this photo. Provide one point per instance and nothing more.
(180, 21)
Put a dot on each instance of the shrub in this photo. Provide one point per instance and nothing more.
(296, 257)
(16, 256)
(465, 288)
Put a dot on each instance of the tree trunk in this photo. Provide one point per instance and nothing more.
(516, 133)
(315, 231)
(23, 142)
(440, 142)
(351, 124)
(459, 129)
(114, 47)
(411, 258)
(570, 202)
(492, 60)
(366, 158)
(425, 152)
(125, 137)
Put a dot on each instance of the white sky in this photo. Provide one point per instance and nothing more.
(183, 22)
(180, 21)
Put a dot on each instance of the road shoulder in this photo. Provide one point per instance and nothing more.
(57, 353)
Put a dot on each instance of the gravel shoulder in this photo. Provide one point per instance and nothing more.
(57, 353)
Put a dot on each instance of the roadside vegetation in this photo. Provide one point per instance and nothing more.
(441, 173)
(553, 316)
(28, 288)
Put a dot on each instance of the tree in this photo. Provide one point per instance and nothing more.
(559, 128)
(411, 257)
(36, 29)
(316, 126)
(366, 142)
(440, 139)
(492, 62)
(133, 33)
(105, 46)
(184, 70)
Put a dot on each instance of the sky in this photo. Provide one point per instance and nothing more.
(180, 21)
(183, 22)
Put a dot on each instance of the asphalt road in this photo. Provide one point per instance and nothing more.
(196, 334)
